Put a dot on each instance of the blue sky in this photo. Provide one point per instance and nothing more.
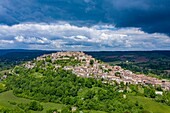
(107, 25)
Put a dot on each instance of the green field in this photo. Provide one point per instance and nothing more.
(7, 97)
(151, 105)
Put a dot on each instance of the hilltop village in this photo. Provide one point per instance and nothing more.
(85, 65)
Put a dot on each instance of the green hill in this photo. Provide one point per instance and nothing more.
(40, 87)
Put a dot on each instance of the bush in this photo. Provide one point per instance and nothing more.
(35, 106)
(12, 103)
(52, 111)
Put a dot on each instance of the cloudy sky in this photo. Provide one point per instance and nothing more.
(107, 25)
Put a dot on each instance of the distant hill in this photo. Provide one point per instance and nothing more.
(12, 57)
(109, 56)
(21, 54)
(106, 56)
(7, 51)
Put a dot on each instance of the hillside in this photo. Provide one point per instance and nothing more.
(85, 65)
(80, 83)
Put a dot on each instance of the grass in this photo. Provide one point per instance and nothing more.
(151, 105)
(7, 97)
(148, 104)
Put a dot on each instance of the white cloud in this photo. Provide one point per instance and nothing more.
(32, 40)
(6, 41)
(66, 36)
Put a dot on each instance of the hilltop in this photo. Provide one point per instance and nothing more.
(85, 65)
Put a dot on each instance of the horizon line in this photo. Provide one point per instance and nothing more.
(88, 50)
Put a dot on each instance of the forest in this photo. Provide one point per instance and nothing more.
(64, 87)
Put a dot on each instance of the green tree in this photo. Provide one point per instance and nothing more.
(35, 106)
(91, 62)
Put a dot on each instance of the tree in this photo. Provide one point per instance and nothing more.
(149, 92)
(117, 74)
(35, 106)
(48, 59)
(89, 95)
(152, 93)
(91, 62)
